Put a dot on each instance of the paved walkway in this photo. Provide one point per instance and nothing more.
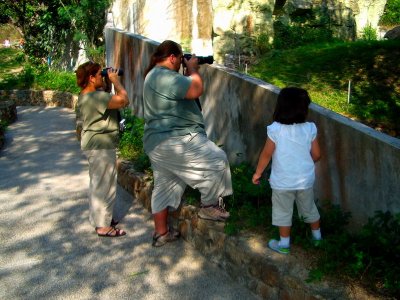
(48, 250)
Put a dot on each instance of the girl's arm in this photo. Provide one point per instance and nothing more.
(315, 150)
(263, 160)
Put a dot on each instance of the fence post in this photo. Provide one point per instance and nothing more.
(348, 92)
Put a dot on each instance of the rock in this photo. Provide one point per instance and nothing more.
(8, 111)
(393, 34)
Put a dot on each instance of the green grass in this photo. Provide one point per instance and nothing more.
(326, 69)
(17, 73)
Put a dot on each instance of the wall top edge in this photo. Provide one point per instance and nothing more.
(395, 142)
(138, 36)
(256, 81)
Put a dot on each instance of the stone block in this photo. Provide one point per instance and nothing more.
(235, 254)
(266, 291)
(40, 98)
(8, 111)
(185, 229)
(265, 271)
(188, 212)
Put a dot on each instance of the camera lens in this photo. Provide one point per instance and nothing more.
(201, 59)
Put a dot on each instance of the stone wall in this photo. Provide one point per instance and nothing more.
(8, 115)
(39, 98)
(244, 257)
(359, 166)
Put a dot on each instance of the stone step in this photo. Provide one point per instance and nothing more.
(245, 257)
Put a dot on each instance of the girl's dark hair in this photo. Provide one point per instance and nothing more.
(84, 71)
(163, 50)
(292, 106)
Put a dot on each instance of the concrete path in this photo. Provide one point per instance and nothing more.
(48, 250)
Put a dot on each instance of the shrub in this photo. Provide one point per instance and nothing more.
(369, 33)
(366, 256)
(290, 37)
(250, 204)
(131, 144)
(391, 15)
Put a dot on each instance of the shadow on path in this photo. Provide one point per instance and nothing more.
(48, 248)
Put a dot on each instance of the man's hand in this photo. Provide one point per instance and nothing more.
(192, 65)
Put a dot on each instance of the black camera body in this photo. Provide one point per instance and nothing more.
(201, 59)
(104, 72)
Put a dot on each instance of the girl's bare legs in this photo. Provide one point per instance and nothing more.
(284, 233)
(316, 231)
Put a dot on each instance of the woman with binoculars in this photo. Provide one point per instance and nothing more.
(99, 112)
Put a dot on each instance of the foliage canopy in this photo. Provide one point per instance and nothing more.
(391, 16)
(57, 28)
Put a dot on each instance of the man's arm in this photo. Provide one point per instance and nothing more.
(196, 87)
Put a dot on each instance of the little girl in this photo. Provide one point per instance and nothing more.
(292, 144)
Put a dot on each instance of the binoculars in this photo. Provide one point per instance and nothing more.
(104, 72)
(201, 59)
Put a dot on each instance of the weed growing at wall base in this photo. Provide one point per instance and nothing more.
(369, 256)
(131, 144)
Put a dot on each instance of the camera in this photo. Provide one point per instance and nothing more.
(201, 59)
(104, 72)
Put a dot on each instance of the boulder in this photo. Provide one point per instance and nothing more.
(8, 111)
(393, 34)
(8, 115)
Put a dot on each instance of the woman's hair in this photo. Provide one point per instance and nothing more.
(292, 106)
(163, 50)
(84, 71)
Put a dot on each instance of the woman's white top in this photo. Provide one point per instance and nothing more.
(292, 165)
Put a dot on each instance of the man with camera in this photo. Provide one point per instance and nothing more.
(98, 110)
(176, 142)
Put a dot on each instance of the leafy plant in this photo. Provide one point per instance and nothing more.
(131, 144)
(367, 256)
(379, 246)
(250, 205)
(17, 73)
(53, 29)
(290, 37)
(369, 33)
(191, 196)
(391, 15)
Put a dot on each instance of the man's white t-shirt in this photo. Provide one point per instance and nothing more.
(292, 165)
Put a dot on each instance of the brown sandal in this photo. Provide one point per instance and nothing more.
(113, 232)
